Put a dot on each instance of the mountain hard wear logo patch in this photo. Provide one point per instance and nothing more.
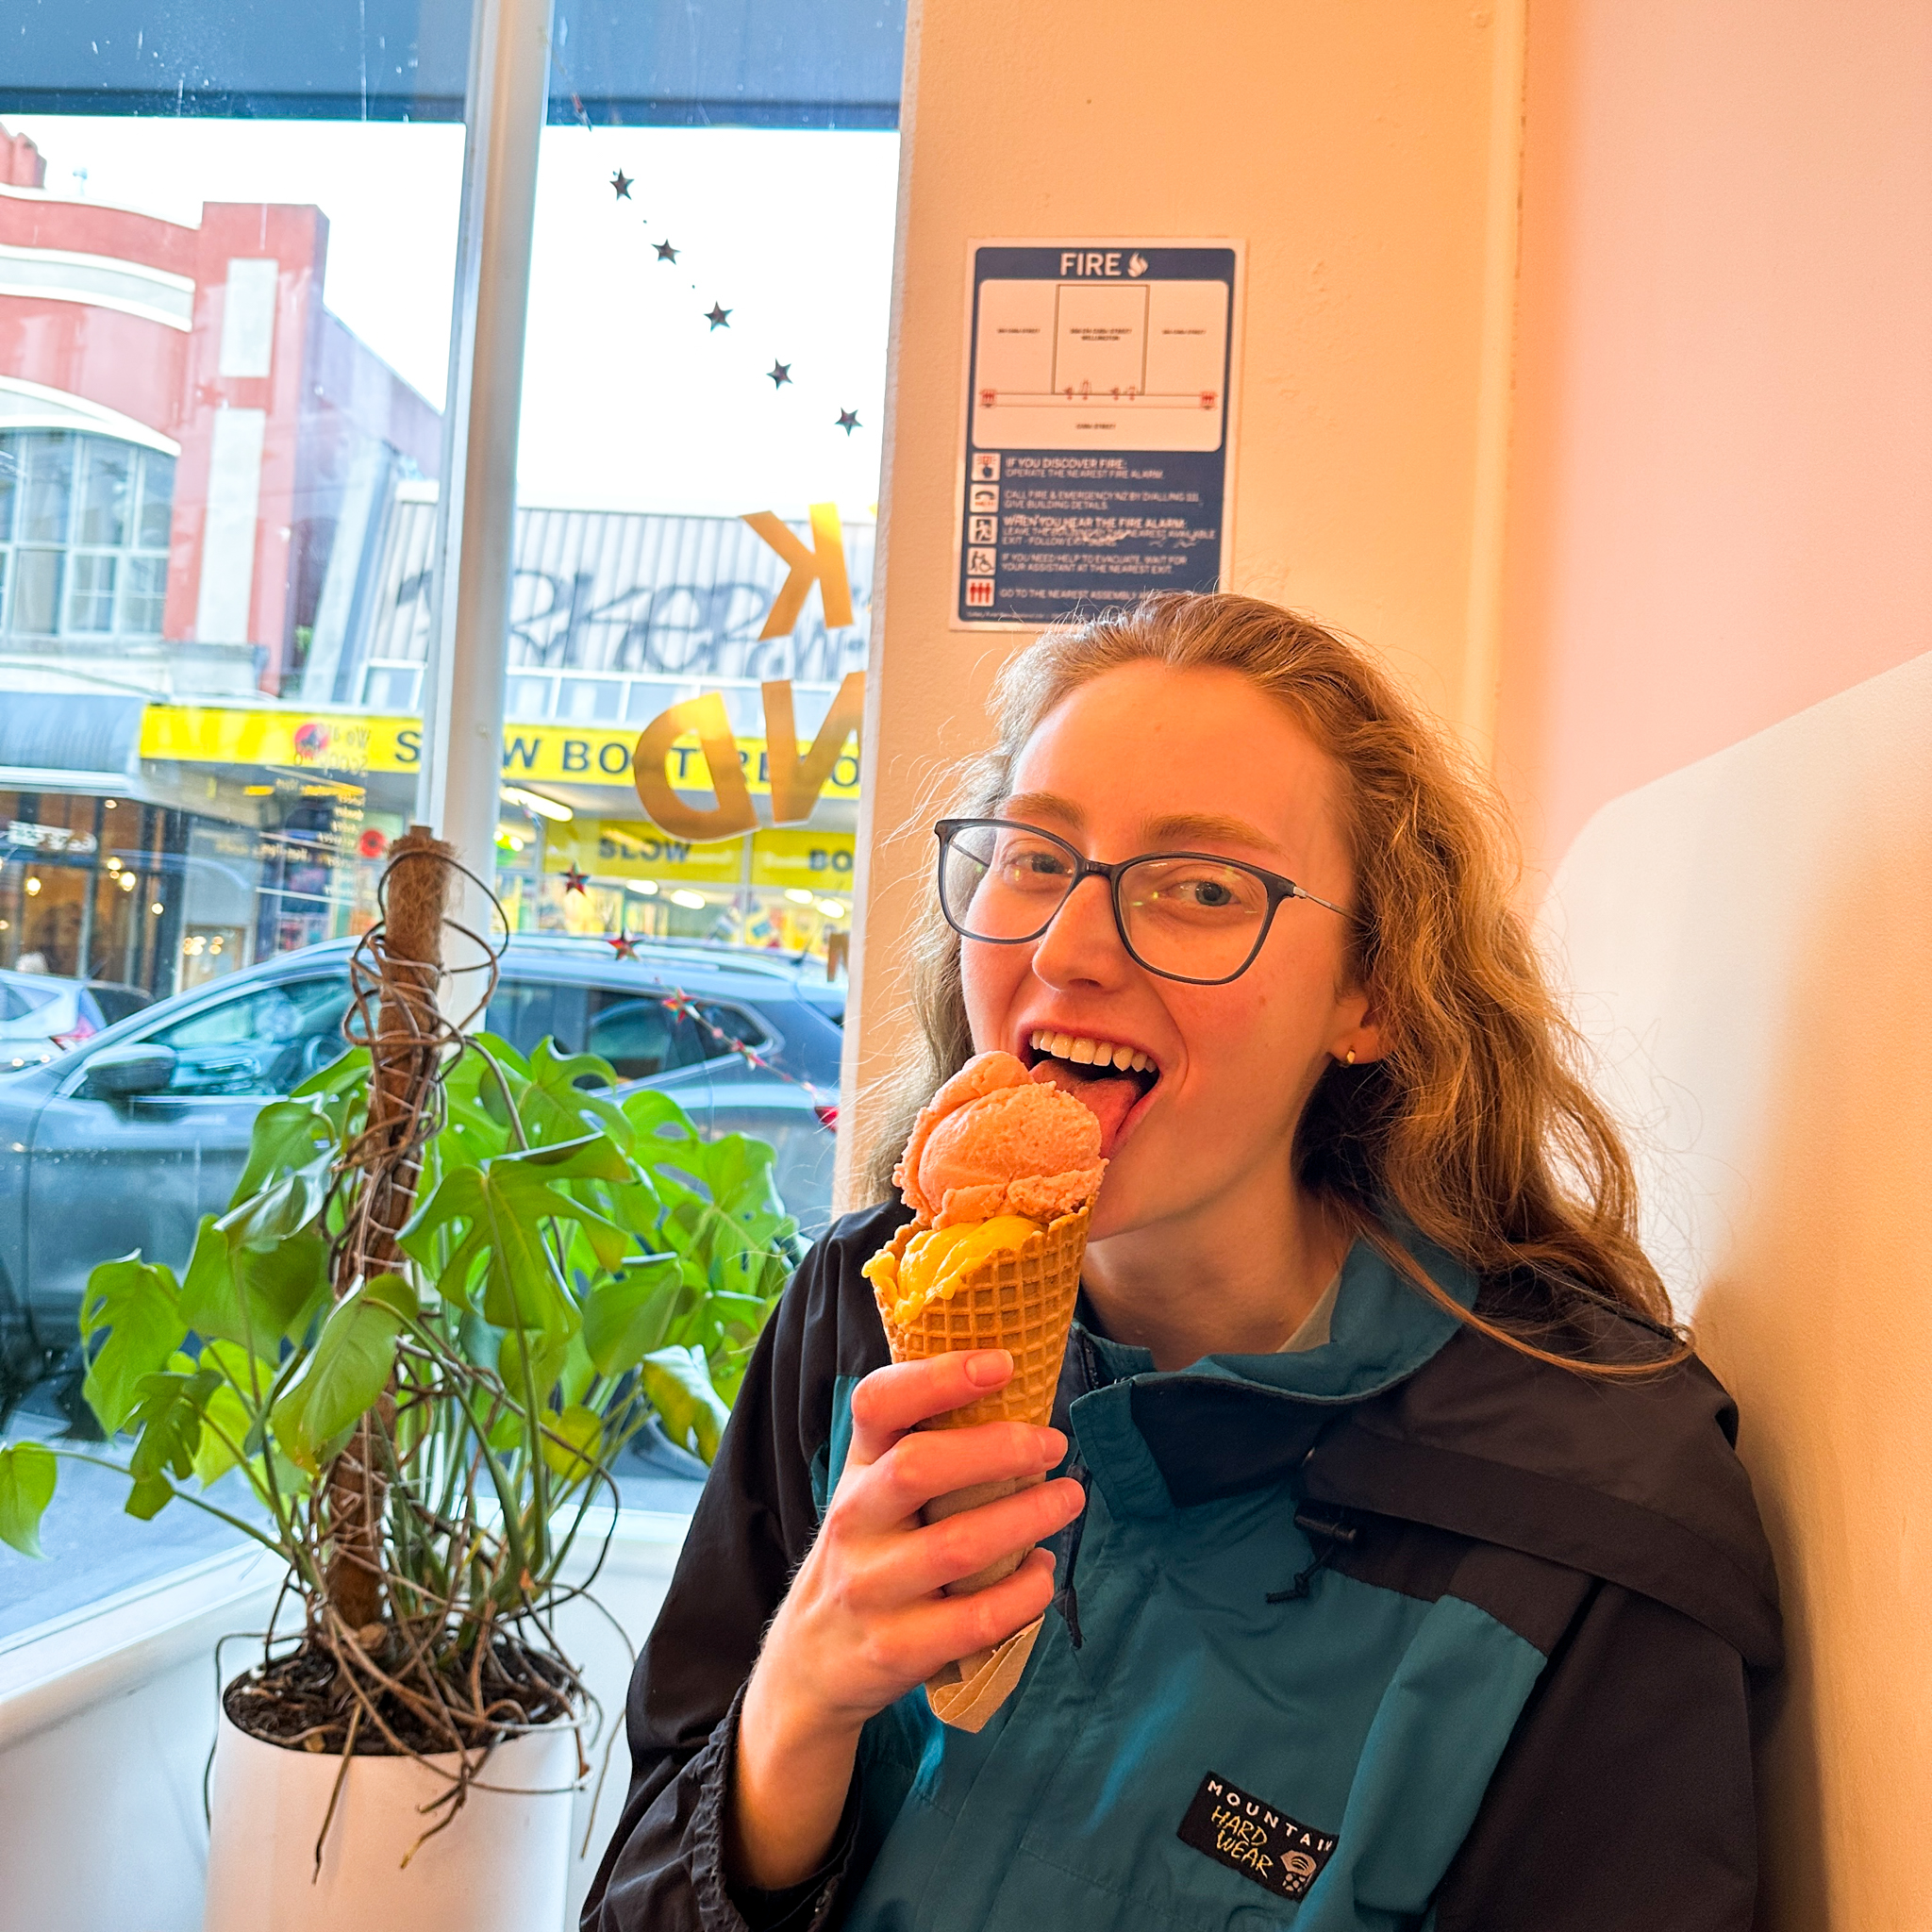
(1256, 1838)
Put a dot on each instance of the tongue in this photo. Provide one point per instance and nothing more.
(1109, 1097)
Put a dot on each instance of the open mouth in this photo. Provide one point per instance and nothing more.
(1112, 1081)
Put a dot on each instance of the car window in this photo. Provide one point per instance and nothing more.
(632, 1027)
(17, 1001)
(266, 1040)
(637, 1034)
(524, 1011)
(738, 1026)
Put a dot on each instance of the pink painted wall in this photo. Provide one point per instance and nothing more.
(1721, 482)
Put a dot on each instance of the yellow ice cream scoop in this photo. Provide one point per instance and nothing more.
(933, 1261)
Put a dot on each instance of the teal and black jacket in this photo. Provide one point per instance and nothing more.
(1406, 1631)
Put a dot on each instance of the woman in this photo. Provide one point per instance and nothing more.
(1404, 1573)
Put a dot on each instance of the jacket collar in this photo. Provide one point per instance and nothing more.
(1155, 1441)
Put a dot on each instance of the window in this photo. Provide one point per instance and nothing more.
(18, 998)
(225, 339)
(724, 1029)
(524, 1011)
(636, 1031)
(223, 353)
(84, 519)
(265, 1043)
(749, 362)
(637, 1036)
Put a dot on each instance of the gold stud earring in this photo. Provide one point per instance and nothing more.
(1349, 1057)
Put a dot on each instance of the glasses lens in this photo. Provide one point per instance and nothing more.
(1003, 882)
(1196, 918)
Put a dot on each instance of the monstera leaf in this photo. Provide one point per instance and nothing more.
(349, 1368)
(497, 1218)
(255, 1296)
(28, 1474)
(691, 1411)
(134, 1310)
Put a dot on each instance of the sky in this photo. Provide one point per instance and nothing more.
(632, 400)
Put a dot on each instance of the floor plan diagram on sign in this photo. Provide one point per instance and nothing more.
(1072, 365)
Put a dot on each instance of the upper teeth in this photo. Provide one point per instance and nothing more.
(1098, 1053)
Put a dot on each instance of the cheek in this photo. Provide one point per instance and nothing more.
(989, 979)
(1262, 1035)
(1239, 1045)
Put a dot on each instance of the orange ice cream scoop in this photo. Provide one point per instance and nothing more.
(996, 1140)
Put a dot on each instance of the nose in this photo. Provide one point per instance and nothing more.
(1082, 946)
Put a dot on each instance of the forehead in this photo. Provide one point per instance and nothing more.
(1145, 743)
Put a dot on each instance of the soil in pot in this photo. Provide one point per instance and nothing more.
(304, 1701)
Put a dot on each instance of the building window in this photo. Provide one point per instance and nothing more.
(83, 535)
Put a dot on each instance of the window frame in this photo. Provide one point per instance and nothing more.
(124, 557)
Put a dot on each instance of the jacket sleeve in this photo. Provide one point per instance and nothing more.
(1624, 1796)
(663, 1870)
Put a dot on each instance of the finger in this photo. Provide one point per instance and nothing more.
(880, 1577)
(890, 1401)
(946, 1628)
(935, 1462)
(963, 1545)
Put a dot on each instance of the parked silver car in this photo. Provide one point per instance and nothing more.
(41, 1016)
(127, 1139)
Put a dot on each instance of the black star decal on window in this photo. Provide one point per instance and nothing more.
(848, 419)
(666, 253)
(780, 373)
(717, 317)
(621, 182)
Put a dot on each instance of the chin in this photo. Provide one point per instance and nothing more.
(1127, 1203)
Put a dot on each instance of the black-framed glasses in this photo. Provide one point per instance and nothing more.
(1192, 916)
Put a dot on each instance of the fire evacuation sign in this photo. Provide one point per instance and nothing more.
(1097, 435)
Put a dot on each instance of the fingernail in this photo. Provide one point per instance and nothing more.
(988, 1366)
(1055, 1444)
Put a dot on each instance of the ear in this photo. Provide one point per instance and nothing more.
(1359, 1033)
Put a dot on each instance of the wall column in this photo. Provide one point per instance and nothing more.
(1357, 152)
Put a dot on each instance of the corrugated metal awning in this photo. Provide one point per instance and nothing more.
(90, 740)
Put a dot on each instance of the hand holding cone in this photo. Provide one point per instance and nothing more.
(992, 1141)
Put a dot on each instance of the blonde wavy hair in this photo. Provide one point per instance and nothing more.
(1476, 1127)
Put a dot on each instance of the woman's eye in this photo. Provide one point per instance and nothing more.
(1204, 893)
(1036, 865)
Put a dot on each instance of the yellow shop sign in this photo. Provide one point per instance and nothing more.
(271, 735)
(634, 849)
(353, 742)
(787, 856)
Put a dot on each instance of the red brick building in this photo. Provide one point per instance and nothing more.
(180, 421)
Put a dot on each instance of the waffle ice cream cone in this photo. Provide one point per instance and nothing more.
(1010, 1166)
(1021, 1300)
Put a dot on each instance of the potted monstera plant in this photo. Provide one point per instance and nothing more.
(451, 1284)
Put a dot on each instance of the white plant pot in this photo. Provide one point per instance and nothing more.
(500, 1866)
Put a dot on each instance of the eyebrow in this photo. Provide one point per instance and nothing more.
(1211, 827)
(1176, 829)
(1024, 805)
